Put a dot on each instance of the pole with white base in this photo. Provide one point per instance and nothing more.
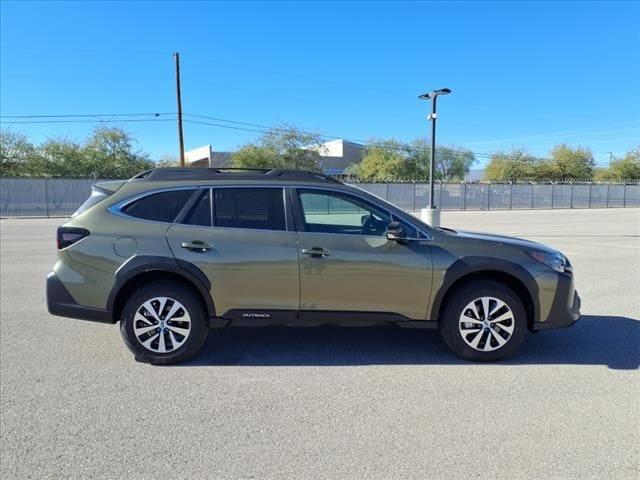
(431, 214)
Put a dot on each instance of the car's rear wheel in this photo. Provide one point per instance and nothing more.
(484, 321)
(164, 323)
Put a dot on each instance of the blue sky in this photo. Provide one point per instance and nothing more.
(522, 74)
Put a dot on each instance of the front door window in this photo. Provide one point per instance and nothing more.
(333, 212)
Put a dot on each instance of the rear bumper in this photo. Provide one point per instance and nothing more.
(61, 303)
(565, 310)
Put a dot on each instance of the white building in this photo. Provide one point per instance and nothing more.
(336, 155)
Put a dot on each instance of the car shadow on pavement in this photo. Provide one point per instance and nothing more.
(594, 340)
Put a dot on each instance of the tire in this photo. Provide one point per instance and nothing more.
(474, 338)
(179, 318)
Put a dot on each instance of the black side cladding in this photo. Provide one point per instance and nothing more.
(61, 303)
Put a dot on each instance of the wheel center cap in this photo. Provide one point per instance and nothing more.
(486, 324)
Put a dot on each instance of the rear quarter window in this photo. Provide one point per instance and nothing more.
(159, 207)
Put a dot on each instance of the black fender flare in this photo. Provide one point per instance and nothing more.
(147, 263)
(476, 266)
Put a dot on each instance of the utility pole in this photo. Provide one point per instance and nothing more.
(611, 158)
(176, 56)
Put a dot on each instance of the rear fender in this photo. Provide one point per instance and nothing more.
(145, 264)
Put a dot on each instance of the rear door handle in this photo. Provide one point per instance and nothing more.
(196, 246)
(316, 252)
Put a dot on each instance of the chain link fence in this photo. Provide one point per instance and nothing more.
(59, 197)
(42, 197)
(499, 196)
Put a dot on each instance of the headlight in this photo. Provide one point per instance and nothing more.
(555, 261)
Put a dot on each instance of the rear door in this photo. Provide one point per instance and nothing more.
(245, 243)
(348, 265)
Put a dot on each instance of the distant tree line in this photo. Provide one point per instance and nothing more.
(107, 153)
(564, 164)
(111, 153)
(393, 160)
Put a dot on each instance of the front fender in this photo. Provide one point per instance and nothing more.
(473, 267)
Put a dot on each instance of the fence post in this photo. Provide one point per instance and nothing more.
(46, 196)
(415, 187)
(489, 197)
(571, 197)
(464, 195)
(590, 188)
(511, 197)
(624, 195)
(552, 194)
(440, 196)
(387, 194)
(532, 196)
(608, 185)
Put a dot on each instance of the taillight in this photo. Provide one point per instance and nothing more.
(67, 236)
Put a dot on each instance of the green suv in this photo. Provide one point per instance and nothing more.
(175, 251)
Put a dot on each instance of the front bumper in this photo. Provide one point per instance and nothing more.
(61, 303)
(565, 309)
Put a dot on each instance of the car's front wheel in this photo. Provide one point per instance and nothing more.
(164, 323)
(483, 321)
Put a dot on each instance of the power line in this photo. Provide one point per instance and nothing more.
(38, 122)
(403, 147)
(256, 128)
(216, 119)
(277, 129)
(83, 115)
(266, 128)
(199, 122)
(235, 125)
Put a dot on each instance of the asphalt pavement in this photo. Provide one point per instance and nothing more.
(330, 403)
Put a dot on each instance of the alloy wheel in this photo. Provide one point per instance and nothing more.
(486, 324)
(162, 324)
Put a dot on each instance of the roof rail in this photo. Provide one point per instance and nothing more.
(143, 174)
(264, 174)
(239, 169)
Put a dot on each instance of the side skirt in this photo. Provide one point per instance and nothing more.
(314, 318)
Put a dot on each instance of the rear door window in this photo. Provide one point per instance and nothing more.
(256, 208)
(201, 212)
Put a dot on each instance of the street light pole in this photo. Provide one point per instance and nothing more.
(432, 162)
(431, 214)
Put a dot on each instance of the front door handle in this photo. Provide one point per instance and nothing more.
(196, 246)
(316, 252)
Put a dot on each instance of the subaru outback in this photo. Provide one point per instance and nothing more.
(172, 252)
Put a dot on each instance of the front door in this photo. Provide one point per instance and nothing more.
(347, 263)
(241, 240)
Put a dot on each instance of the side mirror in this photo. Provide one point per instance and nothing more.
(396, 232)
